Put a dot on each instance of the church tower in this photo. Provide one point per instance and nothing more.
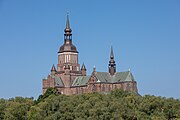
(68, 53)
(112, 64)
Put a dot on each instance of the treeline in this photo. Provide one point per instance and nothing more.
(118, 105)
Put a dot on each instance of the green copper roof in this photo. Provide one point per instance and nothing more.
(81, 80)
(105, 77)
(117, 77)
(58, 80)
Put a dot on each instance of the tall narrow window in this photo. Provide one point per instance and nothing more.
(82, 90)
(77, 68)
(109, 88)
(127, 87)
(103, 88)
(115, 87)
(121, 86)
(65, 58)
(76, 90)
(69, 58)
(133, 87)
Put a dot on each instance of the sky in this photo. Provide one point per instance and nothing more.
(145, 36)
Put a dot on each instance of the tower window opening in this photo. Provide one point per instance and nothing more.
(77, 68)
(69, 57)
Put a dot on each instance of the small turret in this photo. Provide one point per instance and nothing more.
(83, 70)
(53, 70)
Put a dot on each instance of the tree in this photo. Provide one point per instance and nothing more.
(118, 105)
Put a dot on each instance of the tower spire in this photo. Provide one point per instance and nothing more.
(112, 64)
(112, 54)
(67, 22)
(67, 30)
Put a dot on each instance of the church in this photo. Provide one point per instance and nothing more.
(69, 78)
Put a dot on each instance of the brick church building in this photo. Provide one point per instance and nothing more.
(69, 78)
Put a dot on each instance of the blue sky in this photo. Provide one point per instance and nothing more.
(145, 36)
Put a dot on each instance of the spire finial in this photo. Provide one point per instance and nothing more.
(112, 54)
(67, 30)
(67, 21)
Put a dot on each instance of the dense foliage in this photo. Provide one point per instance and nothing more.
(118, 105)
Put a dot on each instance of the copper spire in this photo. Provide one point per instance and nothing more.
(112, 64)
(67, 29)
(53, 68)
(68, 45)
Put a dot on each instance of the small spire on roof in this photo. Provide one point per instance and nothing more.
(94, 68)
(112, 64)
(83, 70)
(83, 67)
(53, 68)
(129, 69)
